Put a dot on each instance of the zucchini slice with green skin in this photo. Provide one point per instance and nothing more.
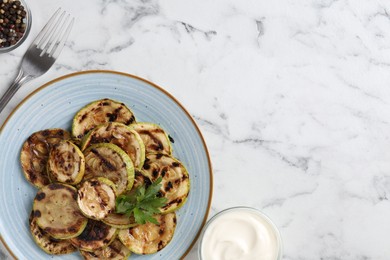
(95, 235)
(56, 211)
(115, 251)
(121, 135)
(96, 198)
(121, 221)
(155, 139)
(66, 163)
(46, 242)
(35, 153)
(100, 112)
(109, 161)
(175, 184)
(149, 238)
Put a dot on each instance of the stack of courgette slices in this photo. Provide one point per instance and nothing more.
(80, 173)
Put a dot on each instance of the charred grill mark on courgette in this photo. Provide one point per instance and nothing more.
(40, 196)
(100, 112)
(140, 179)
(175, 179)
(56, 211)
(95, 235)
(94, 231)
(154, 137)
(36, 213)
(156, 145)
(149, 238)
(49, 244)
(104, 161)
(115, 251)
(35, 153)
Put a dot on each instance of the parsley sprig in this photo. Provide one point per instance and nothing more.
(142, 204)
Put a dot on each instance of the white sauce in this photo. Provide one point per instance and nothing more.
(240, 234)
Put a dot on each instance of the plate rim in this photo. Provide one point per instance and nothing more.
(113, 72)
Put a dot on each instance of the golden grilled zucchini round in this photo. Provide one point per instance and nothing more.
(46, 242)
(155, 139)
(95, 235)
(115, 251)
(56, 211)
(175, 184)
(109, 161)
(66, 163)
(96, 198)
(121, 135)
(100, 112)
(35, 152)
(149, 238)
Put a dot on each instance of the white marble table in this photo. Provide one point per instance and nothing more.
(292, 97)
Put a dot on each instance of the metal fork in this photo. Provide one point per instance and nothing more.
(42, 53)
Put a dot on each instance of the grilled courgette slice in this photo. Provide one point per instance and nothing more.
(57, 213)
(46, 242)
(100, 112)
(121, 135)
(155, 139)
(96, 198)
(66, 163)
(35, 152)
(175, 184)
(119, 221)
(115, 251)
(95, 235)
(109, 161)
(149, 238)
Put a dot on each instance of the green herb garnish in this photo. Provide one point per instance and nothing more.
(142, 204)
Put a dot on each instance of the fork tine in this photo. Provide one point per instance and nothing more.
(45, 41)
(45, 29)
(60, 43)
(54, 33)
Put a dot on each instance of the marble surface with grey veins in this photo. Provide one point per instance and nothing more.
(292, 97)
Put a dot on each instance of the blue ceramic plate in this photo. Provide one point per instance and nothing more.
(54, 105)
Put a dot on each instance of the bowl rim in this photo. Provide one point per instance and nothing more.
(239, 208)
(26, 32)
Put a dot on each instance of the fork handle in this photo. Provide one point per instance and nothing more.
(10, 92)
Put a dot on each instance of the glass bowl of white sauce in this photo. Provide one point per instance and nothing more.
(240, 233)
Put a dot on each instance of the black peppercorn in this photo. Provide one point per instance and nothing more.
(12, 22)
